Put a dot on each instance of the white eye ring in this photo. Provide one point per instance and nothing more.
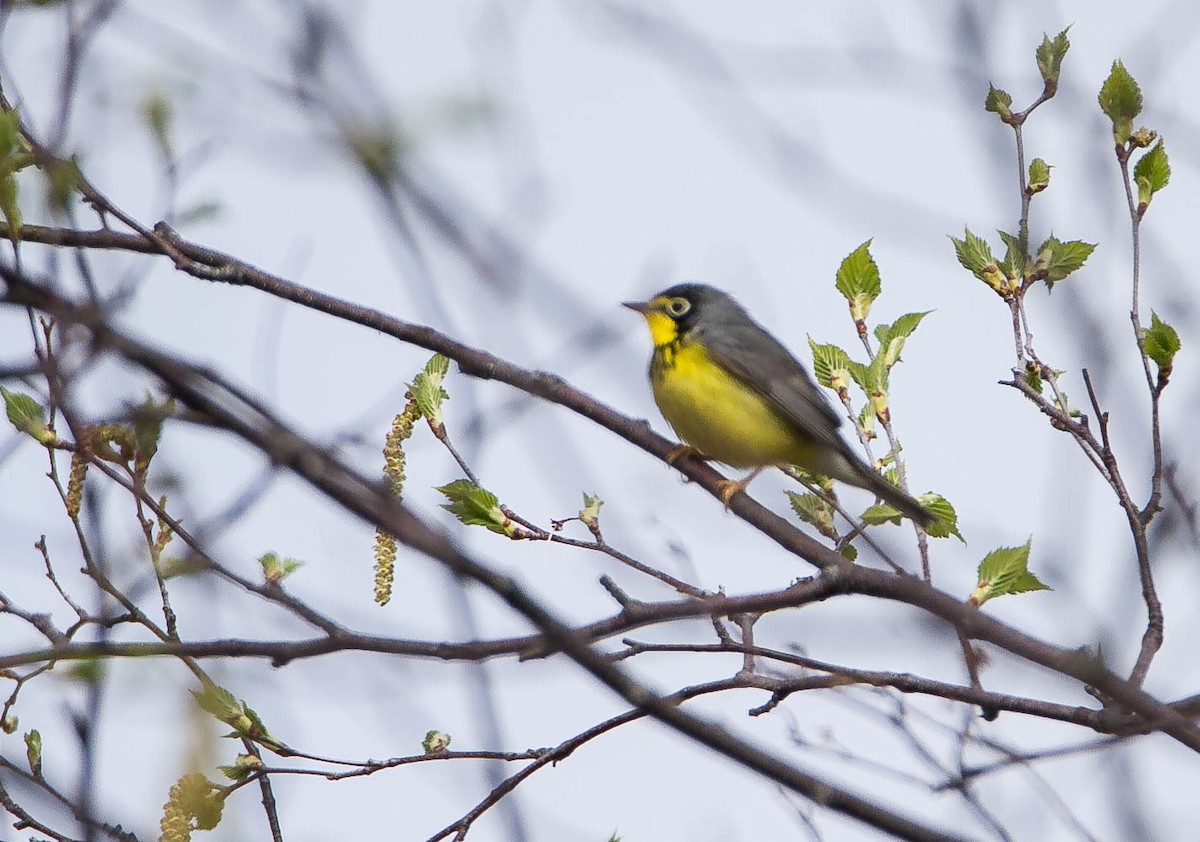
(678, 306)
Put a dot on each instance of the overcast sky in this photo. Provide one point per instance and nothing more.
(595, 152)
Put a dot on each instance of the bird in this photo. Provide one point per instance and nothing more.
(736, 395)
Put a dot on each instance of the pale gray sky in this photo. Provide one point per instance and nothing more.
(624, 147)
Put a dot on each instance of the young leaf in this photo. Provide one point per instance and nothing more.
(589, 515)
(891, 337)
(813, 510)
(1039, 176)
(241, 717)
(61, 180)
(435, 742)
(1059, 259)
(243, 767)
(1050, 57)
(998, 102)
(33, 752)
(1162, 344)
(147, 429)
(11, 147)
(427, 391)
(858, 281)
(252, 726)
(831, 365)
(1033, 376)
(475, 506)
(881, 513)
(1005, 571)
(1121, 100)
(159, 115)
(27, 415)
(976, 257)
(1015, 259)
(276, 569)
(1152, 172)
(219, 702)
(877, 385)
(945, 518)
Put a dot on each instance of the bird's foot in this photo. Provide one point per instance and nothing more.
(682, 450)
(726, 488)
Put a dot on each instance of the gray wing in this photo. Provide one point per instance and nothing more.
(748, 351)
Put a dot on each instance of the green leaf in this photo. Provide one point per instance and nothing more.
(999, 102)
(1050, 57)
(475, 506)
(241, 717)
(62, 178)
(159, 115)
(1033, 376)
(87, 670)
(203, 211)
(33, 752)
(880, 514)
(147, 428)
(975, 255)
(832, 366)
(876, 378)
(858, 281)
(1144, 192)
(255, 729)
(10, 137)
(1015, 259)
(813, 510)
(435, 742)
(12, 156)
(1058, 259)
(427, 391)
(242, 768)
(27, 415)
(219, 702)
(945, 518)
(1121, 100)
(590, 513)
(9, 206)
(1005, 571)
(1152, 172)
(891, 337)
(866, 420)
(1039, 176)
(276, 569)
(1162, 344)
(1143, 137)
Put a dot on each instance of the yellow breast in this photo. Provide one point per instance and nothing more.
(715, 413)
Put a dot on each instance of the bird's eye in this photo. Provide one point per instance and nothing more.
(678, 307)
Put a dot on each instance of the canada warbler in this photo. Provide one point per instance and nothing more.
(736, 395)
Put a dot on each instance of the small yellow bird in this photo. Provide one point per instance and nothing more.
(734, 393)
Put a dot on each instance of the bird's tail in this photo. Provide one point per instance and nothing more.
(853, 471)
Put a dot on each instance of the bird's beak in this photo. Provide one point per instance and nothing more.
(642, 307)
